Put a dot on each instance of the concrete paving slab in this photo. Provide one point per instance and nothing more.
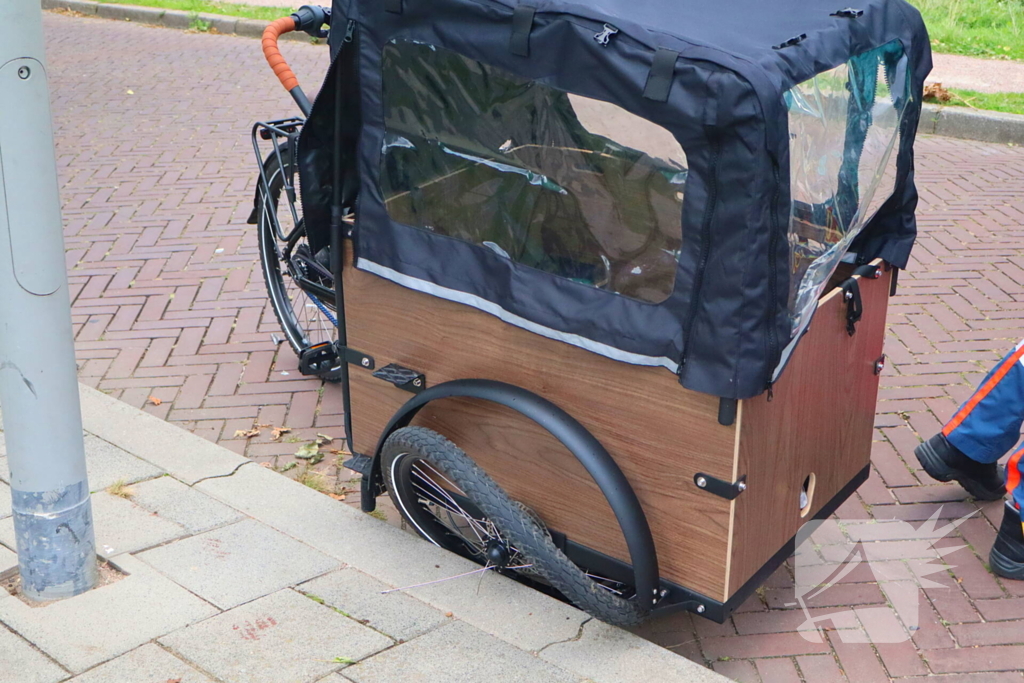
(605, 654)
(238, 563)
(528, 619)
(121, 527)
(8, 559)
(456, 652)
(96, 626)
(398, 615)
(281, 638)
(186, 456)
(5, 500)
(107, 464)
(181, 504)
(147, 664)
(21, 663)
(124, 527)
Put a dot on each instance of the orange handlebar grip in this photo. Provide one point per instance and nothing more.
(273, 54)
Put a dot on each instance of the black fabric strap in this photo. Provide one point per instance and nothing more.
(393, 6)
(522, 24)
(854, 304)
(663, 71)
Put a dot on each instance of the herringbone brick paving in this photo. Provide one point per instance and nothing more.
(171, 316)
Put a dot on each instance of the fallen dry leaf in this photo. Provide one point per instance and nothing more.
(266, 464)
(337, 496)
(307, 450)
(153, 400)
(246, 433)
(934, 92)
(323, 439)
(279, 432)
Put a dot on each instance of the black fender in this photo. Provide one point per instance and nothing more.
(574, 436)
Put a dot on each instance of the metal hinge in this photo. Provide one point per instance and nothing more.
(719, 487)
(403, 378)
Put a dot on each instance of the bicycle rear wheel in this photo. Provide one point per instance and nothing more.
(299, 282)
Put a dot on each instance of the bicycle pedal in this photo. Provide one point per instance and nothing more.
(319, 359)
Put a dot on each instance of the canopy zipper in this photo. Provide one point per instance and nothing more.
(705, 250)
(773, 287)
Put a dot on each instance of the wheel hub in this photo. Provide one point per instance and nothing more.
(497, 553)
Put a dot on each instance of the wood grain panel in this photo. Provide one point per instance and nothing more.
(659, 433)
(820, 422)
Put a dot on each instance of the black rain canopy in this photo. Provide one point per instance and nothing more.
(663, 182)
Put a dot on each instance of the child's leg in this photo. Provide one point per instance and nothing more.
(988, 424)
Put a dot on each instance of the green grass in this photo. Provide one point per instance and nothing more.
(1009, 102)
(212, 7)
(979, 28)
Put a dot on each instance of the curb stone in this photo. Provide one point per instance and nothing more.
(155, 16)
(972, 124)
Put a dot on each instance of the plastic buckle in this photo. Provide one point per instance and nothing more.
(796, 40)
(848, 13)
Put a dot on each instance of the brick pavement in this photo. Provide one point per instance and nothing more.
(152, 141)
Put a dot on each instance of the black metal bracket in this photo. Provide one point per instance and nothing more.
(353, 357)
(359, 463)
(727, 411)
(403, 378)
(720, 487)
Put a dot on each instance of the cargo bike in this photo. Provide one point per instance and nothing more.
(603, 285)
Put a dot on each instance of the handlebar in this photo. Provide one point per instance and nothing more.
(306, 18)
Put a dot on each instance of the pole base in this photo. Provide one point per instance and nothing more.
(56, 542)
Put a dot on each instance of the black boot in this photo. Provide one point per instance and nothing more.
(944, 461)
(1007, 556)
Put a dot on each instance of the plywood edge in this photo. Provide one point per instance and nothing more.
(732, 504)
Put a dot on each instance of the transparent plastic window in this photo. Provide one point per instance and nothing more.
(844, 133)
(571, 186)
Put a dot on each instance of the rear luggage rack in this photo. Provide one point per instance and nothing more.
(283, 135)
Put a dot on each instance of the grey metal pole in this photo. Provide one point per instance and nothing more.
(38, 378)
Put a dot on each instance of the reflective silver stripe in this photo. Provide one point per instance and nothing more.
(499, 312)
